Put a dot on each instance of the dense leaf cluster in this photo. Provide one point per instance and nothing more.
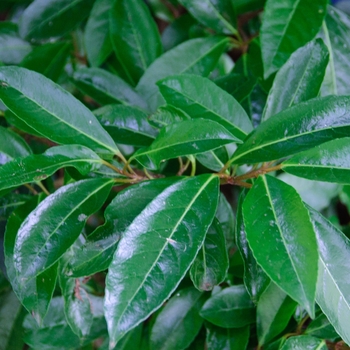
(174, 174)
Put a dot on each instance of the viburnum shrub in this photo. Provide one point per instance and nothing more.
(175, 174)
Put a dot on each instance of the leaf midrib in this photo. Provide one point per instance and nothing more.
(131, 299)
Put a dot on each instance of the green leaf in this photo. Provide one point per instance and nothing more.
(10, 201)
(77, 304)
(48, 59)
(105, 87)
(56, 334)
(332, 293)
(328, 162)
(336, 34)
(213, 160)
(44, 19)
(296, 129)
(11, 318)
(299, 79)
(211, 264)
(128, 125)
(174, 224)
(134, 36)
(12, 119)
(166, 115)
(229, 308)
(288, 25)
(97, 253)
(51, 110)
(274, 311)
(196, 56)
(218, 15)
(12, 146)
(303, 342)
(227, 338)
(37, 293)
(38, 167)
(178, 322)
(201, 98)
(55, 224)
(97, 40)
(281, 236)
(13, 48)
(255, 279)
(321, 328)
(184, 138)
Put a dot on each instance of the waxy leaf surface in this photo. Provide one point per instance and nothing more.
(134, 36)
(97, 253)
(281, 236)
(178, 322)
(128, 125)
(321, 328)
(274, 311)
(44, 19)
(218, 15)
(38, 167)
(51, 110)
(55, 224)
(296, 129)
(184, 138)
(201, 98)
(196, 56)
(12, 146)
(229, 308)
(299, 80)
(210, 266)
(288, 25)
(161, 243)
(105, 87)
(304, 342)
(333, 287)
(97, 40)
(329, 162)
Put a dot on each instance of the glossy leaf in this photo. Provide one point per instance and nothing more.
(197, 56)
(174, 223)
(12, 146)
(184, 138)
(12, 119)
(97, 40)
(288, 25)
(37, 293)
(77, 304)
(336, 34)
(304, 342)
(332, 293)
(201, 98)
(281, 236)
(134, 36)
(48, 59)
(229, 308)
(178, 322)
(226, 218)
(210, 266)
(329, 162)
(321, 328)
(227, 338)
(10, 201)
(97, 253)
(296, 129)
(44, 19)
(213, 160)
(55, 224)
(13, 48)
(51, 111)
(11, 318)
(255, 279)
(218, 15)
(38, 167)
(274, 311)
(299, 79)
(166, 115)
(128, 125)
(55, 333)
(105, 87)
